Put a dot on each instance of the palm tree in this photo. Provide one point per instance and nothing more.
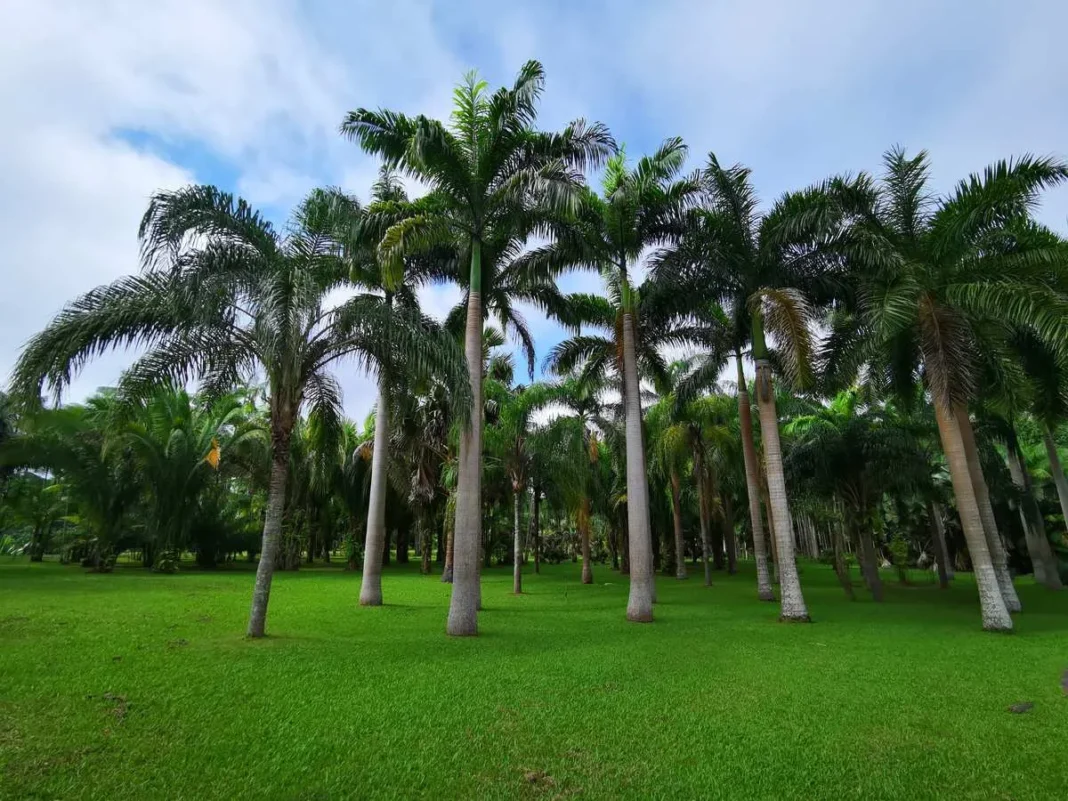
(938, 280)
(734, 258)
(486, 171)
(224, 295)
(98, 481)
(853, 455)
(396, 281)
(178, 444)
(580, 398)
(509, 440)
(640, 207)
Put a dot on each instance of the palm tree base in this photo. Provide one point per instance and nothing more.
(793, 619)
(766, 596)
(999, 629)
(639, 617)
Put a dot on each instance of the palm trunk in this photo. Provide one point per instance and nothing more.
(676, 515)
(1038, 547)
(986, 511)
(728, 535)
(371, 587)
(992, 603)
(1055, 470)
(272, 533)
(640, 602)
(535, 525)
(449, 523)
(752, 488)
(584, 535)
(938, 539)
(841, 569)
(702, 510)
(466, 592)
(517, 545)
(869, 562)
(792, 604)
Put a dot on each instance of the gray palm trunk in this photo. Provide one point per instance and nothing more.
(841, 569)
(752, 487)
(639, 536)
(535, 524)
(584, 533)
(986, 512)
(702, 508)
(467, 532)
(517, 545)
(869, 563)
(676, 516)
(272, 535)
(938, 538)
(371, 588)
(446, 573)
(1038, 547)
(792, 604)
(1056, 470)
(992, 603)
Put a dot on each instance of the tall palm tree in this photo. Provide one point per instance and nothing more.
(936, 281)
(396, 281)
(486, 170)
(640, 207)
(224, 295)
(736, 258)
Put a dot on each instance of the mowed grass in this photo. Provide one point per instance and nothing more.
(140, 686)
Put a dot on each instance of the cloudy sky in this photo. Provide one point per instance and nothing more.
(108, 101)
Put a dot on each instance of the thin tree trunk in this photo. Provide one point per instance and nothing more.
(371, 587)
(938, 538)
(1038, 547)
(676, 515)
(841, 569)
(640, 602)
(792, 604)
(450, 542)
(466, 592)
(535, 524)
(986, 511)
(994, 612)
(426, 541)
(752, 488)
(584, 535)
(715, 522)
(702, 509)
(728, 535)
(272, 533)
(1060, 481)
(868, 560)
(517, 546)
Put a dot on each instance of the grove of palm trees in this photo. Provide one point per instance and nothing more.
(758, 526)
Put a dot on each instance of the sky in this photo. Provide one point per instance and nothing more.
(109, 101)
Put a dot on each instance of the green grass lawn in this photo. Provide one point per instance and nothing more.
(141, 686)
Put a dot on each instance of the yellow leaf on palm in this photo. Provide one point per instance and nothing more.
(213, 455)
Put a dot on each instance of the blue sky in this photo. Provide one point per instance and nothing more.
(108, 101)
